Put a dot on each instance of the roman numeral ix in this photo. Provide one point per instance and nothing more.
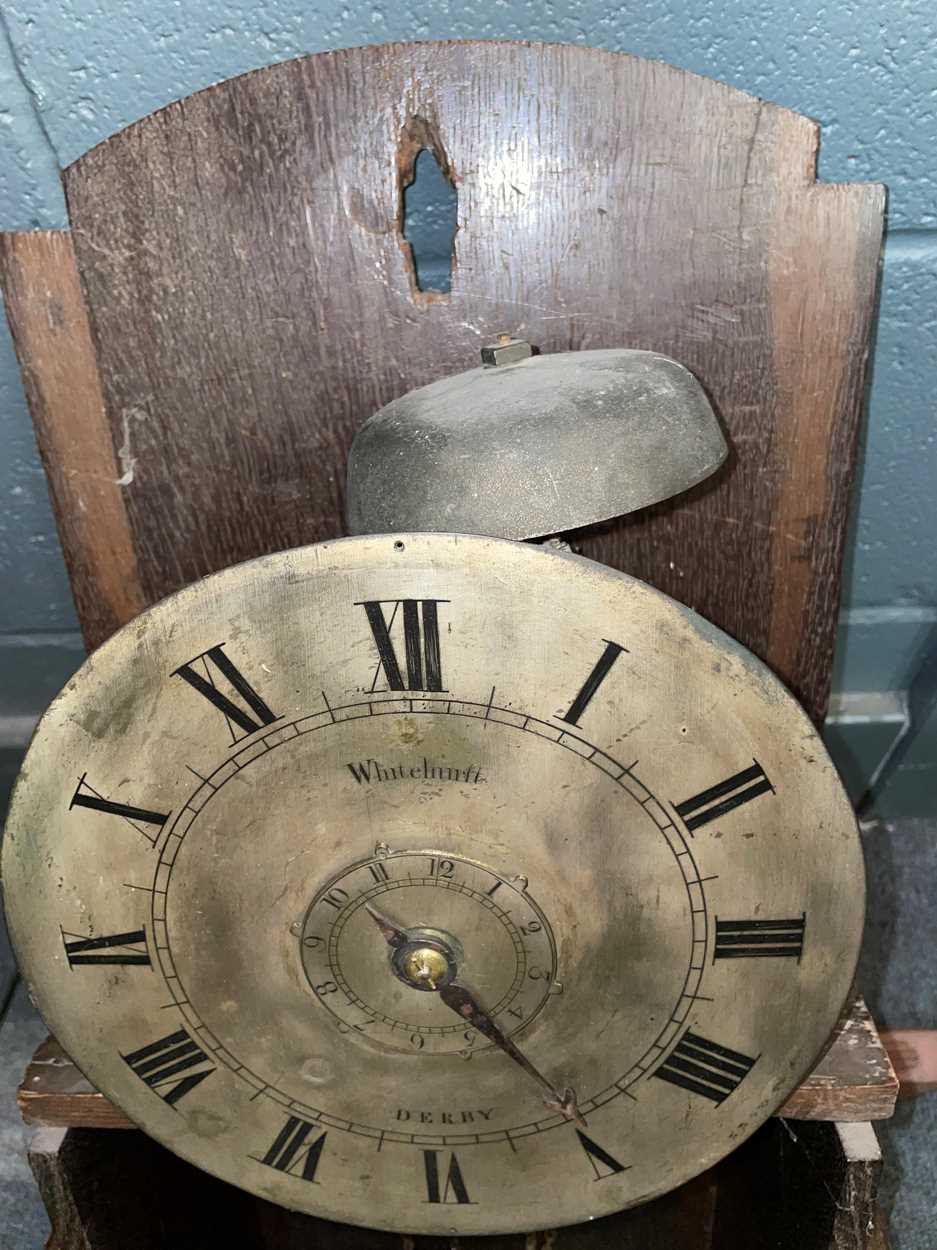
(292, 1153)
(704, 1067)
(453, 1190)
(116, 948)
(759, 939)
(167, 1065)
(422, 660)
(724, 797)
(250, 714)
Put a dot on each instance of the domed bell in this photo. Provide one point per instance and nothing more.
(528, 446)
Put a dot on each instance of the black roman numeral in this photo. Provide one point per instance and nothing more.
(759, 939)
(704, 1067)
(292, 1153)
(378, 871)
(725, 797)
(603, 1164)
(454, 1190)
(161, 1065)
(250, 715)
(117, 948)
(139, 818)
(420, 638)
(582, 700)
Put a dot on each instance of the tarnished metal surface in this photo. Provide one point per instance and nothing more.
(627, 834)
(545, 445)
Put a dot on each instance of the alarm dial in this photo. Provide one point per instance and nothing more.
(441, 884)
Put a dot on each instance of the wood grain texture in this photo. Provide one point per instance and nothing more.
(853, 1082)
(808, 1186)
(252, 302)
(109, 1192)
(50, 331)
(806, 1191)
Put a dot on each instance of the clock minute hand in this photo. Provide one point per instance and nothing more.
(464, 1003)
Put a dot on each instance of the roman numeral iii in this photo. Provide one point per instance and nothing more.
(704, 1067)
(450, 1190)
(116, 948)
(172, 1066)
(760, 939)
(724, 797)
(249, 713)
(422, 660)
(292, 1152)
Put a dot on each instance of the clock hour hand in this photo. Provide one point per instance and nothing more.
(466, 1005)
(393, 935)
(419, 962)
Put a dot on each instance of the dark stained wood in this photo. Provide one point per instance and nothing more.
(807, 1186)
(110, 1192)
(50, 330)
(813, 1189)
(252, 302)
(854, 1081)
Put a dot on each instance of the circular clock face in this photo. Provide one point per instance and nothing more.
(439, 884)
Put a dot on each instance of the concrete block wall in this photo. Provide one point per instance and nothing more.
(74, 71)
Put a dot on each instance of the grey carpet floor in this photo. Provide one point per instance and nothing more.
(898, 975)
(23, 1222)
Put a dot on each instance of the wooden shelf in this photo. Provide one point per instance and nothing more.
(854, 1081)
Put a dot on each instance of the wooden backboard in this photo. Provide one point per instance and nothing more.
(235, 298)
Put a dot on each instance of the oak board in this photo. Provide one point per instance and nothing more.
(252, 301)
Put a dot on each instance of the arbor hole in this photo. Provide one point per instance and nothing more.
(430, 221)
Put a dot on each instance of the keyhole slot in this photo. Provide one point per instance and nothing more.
(429, 210)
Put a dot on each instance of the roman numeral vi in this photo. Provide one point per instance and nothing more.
(453, 1191)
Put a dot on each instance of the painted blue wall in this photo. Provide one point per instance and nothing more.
(74, 71)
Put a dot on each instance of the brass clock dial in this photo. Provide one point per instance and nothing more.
(440, 884)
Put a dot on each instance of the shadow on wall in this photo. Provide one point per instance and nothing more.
(919, 731)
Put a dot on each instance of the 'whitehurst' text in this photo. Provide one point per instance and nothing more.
(372, 772)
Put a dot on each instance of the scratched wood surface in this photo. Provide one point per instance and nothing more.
(853, 1082)
(252, 301)
(50, 328)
